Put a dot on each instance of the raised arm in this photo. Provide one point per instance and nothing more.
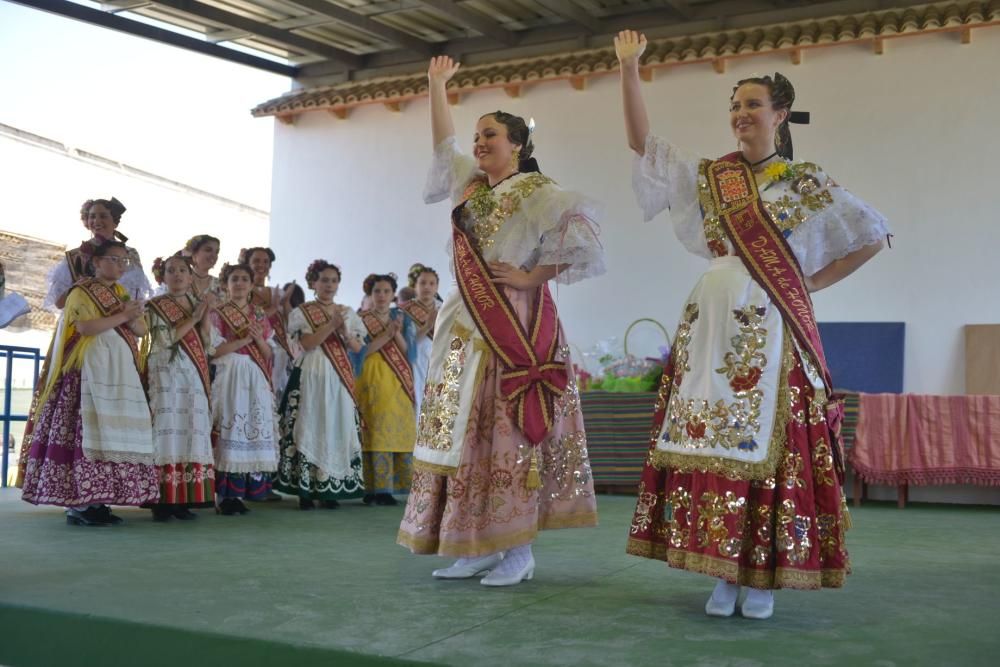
(629, 45)
(439, 73)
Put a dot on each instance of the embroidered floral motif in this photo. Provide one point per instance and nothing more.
(440, 405)
(822, 463)
(490, 211)
(699, 425)
(712, 515)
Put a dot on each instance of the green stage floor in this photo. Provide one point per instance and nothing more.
(284, 587)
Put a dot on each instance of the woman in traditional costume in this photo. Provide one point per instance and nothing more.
(385, 394)
(743, 481)
(422, 309)
(275, 305)
(101, 217)
(320, 444)
(89, 443)
(243, 414)
(204, 253)
(179, 388)
(501, 450)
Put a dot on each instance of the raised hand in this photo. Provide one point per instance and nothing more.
(441, 69)
(629, 45)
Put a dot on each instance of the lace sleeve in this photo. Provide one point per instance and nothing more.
(298, 326)
(59, 281)
(134, 279)
(848, 224)
(568, 233)
(449, 173)
(355, 327)
(665, 177)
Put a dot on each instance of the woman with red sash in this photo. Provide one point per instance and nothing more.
(101, 217)
(385, 394)
(244, 423)
(320, 446)
(501, 450)
(744, 477)
(89, 437)
(274, 302)
(422, 309)
(178, 380)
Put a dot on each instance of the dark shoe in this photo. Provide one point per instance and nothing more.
(240, 507)
(229, 507)
(306, 504)
(184, 514)
(88, 517)
(161, 513)
(385, 499)
(330, 504)
(108, 517)
(368, 499)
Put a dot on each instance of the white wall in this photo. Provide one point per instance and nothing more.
(912, 131)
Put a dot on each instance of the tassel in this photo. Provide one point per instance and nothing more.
(845, 514)
(534, 480)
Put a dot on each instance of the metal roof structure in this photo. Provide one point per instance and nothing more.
(331, 41)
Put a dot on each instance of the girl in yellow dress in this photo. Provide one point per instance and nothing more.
(386, 395)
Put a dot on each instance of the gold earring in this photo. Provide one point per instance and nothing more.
(515, 159)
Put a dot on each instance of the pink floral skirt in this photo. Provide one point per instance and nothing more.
(488, 505)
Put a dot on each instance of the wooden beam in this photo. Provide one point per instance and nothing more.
(574, 13)
(470, 19)
(966, 35)
(341, 112)
(578, 82)
(719, 65)
(454, 98)
(796, 56)
(286, 37)
(682, 7)
(128, 26)
(286, 118)
(355, 20)
(394, 107)
(646, 73)
(878, 46)
(513, 90)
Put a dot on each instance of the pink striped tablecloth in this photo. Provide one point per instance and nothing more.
(916, 439)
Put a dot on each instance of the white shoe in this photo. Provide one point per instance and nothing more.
(723, 600)
(466, 568)
(498, 578)
(759, 604)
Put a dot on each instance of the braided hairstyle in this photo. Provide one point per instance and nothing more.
(247, 253)
(782, 96)
(115, 208)
(160, 265)
(518, 133)
(317, 267)
(229, 269)
(374, 278)
(196, 242)
(417, 270)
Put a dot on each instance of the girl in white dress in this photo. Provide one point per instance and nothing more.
(320, 446)
(179, 385)
(243, 414)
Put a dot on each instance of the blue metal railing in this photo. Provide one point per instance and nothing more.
(11, 353)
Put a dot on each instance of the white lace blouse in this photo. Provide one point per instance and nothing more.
(525, 220)
(821, 220)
